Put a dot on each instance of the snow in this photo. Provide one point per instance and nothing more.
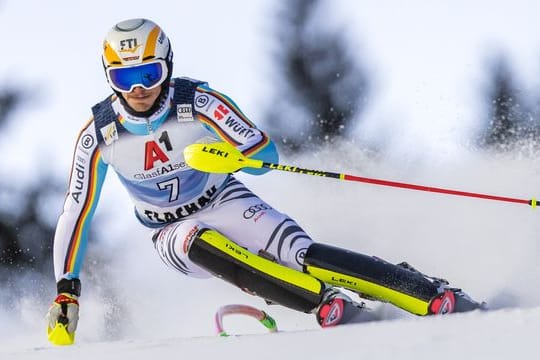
(139, 308)
(500, 334)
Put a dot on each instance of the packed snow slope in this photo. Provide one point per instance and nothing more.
(134, 307)
(503, 334)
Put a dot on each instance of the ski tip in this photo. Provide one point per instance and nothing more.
(483, 306)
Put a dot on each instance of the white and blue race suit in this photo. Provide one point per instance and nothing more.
(147, 156)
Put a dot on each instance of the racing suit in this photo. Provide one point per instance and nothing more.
(168, 195)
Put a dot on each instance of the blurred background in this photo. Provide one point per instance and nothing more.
(440, 93)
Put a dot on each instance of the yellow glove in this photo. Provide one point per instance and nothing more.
(62, 319)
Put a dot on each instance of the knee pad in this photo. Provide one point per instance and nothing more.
(254, 274)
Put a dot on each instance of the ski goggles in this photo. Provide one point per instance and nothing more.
(148, 75)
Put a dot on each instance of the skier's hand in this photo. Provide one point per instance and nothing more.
(62, 318)
(63, 314)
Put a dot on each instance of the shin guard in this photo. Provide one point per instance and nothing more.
(370, 276)
(254, 274)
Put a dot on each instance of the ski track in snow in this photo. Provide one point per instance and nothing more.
(134, 307)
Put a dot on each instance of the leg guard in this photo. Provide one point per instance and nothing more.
(371, 276)
(254, 274)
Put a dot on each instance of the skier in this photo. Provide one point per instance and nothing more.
(208, 224)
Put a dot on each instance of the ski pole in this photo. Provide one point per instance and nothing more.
(222, 157)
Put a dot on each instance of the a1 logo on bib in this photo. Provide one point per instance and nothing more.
(184, 113)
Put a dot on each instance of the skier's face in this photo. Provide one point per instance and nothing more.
(141, 99)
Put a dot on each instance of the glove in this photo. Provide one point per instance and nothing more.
(63, 314)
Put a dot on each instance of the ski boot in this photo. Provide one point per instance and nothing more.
(336, 308)
(454, 301)
(449, 300)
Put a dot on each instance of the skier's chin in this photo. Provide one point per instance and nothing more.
(140, 99)
(139, 105)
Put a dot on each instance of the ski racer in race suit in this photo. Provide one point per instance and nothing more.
(202, 221)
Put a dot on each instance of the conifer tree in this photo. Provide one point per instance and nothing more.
(321, 86)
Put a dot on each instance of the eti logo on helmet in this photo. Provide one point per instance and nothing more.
(129, 45)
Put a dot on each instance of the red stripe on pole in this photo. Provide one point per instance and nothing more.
(433, 189)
